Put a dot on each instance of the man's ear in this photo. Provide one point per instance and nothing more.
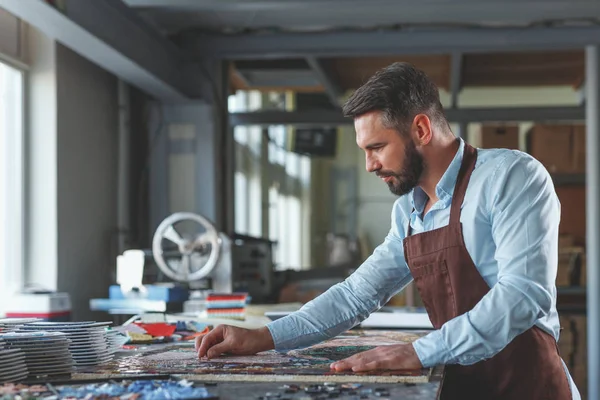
(421, 130)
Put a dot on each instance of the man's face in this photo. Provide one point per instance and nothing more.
(391, 156)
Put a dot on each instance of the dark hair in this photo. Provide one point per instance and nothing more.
(400, 91)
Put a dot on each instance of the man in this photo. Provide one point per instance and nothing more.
(477, 231)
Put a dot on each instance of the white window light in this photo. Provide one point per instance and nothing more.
(11, 182)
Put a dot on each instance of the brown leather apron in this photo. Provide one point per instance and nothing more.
(529, 367)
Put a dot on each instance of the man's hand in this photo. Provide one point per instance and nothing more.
(234, 340)
(399, 356)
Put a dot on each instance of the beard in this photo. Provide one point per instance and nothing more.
(410, 174)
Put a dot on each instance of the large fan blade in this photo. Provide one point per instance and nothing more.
(173, 236)
(186, 265)
(190, 267)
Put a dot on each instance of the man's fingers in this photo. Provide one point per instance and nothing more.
(218, 349)
(369, 366)
(203, 346)
(342, 365)
(391, 357)
(209, 340)
(359, 361)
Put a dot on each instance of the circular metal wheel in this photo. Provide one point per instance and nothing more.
(189, 256)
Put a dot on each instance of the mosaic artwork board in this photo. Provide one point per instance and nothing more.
(306, 365)
(149, 389)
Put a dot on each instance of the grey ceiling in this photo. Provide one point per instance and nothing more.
(234, 16)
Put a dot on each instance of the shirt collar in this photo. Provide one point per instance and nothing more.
(445, 187)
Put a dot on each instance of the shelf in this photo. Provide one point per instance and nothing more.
(566, 179)
(571, 300)
(571, 290)
(571, 309)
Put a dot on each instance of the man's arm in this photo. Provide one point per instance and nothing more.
(346, 304)
(524, 218)
(343, 306)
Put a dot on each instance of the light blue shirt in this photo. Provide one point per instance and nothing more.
(510, 219)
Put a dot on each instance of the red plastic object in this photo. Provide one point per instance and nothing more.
(158, 329)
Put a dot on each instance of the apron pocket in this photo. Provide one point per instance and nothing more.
(434, 285)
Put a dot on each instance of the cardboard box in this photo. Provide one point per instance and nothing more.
(552, 146)
(500, 136)
(565, 240)
(561, 148)
(579, 143)
(572, 219)
(569, 266)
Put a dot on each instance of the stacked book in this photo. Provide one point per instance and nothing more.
(226, 305)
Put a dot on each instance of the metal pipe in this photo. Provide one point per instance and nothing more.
(123, 217)
(593, 218)
(324, 118)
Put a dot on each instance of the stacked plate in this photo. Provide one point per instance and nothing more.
(45, 353)
(10, 324)
(88, 342)
(12, 364)
(115, 340)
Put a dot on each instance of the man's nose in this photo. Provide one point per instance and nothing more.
(372, 164)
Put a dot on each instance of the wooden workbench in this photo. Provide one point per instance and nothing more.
(246, 390)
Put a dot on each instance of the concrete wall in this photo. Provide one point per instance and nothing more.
(71, 174)
(87, 178)
(185, 169)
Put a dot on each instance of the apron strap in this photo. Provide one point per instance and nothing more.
(460, 189)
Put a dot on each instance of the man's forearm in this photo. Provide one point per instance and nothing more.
(346, 304)
(335, 311)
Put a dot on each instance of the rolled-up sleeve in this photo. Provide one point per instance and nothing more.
(524, 215)
(346, 304)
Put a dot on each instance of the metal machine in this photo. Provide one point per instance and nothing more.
(189, 249)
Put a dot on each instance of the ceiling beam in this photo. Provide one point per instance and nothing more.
(279, 78)
(220, 5)
(334, 92)
(373, 43)
(456, 62)
(411, 9)
(111, 35)
(464, 115)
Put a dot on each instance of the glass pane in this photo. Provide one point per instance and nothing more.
(11, 181)
(273, 185)
(241, 211)
(255, 207)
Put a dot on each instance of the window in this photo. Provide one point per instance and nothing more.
(11, 182)
(271, 185)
